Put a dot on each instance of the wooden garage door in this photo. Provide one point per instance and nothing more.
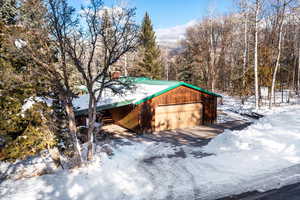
(178, 116)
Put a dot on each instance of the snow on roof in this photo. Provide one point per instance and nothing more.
(143, 89)
(109, 99)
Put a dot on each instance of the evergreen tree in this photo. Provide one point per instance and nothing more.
(151, 65)
(8, 11)
(185, 68)
(22, 132)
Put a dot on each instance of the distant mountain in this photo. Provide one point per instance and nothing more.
(170, 37)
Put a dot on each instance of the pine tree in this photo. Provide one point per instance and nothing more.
(150, 65)
(22, 133)
(8, 11)
(185, 68)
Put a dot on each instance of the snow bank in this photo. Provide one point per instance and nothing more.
(264, 156)
(232, 109)
(275, 140)
(33, 166)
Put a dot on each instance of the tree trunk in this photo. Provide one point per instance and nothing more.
(295, 54)
(213, 83)
(276, 67)
(298, 73)
(212, 54)
(245, 56)
(167, 65)
(91, 127)
(278, 57)
(125, 66)
(256, 55)
(73, 131)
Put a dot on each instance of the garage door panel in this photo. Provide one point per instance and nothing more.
(178, 108)
(178, 116)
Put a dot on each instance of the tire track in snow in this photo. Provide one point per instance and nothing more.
(152, 166)
(162, 170)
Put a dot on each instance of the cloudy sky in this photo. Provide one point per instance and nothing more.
(170, 18)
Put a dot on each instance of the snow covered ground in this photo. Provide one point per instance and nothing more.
(232, 109)
(264, 156)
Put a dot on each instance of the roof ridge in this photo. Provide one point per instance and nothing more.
(180, 83)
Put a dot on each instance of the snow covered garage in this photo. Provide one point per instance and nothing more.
(155, 105)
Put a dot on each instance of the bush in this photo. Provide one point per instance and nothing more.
(37, 134)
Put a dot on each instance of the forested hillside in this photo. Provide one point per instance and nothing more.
(255, 46)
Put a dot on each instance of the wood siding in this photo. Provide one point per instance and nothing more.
(170, 117)
(141, 118)
(185, 95)
(127, 116)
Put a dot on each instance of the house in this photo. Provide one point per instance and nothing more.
(155, 105)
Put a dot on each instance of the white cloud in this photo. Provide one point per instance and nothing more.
(171, 36)
(111, 10)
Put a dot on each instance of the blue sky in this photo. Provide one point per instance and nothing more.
(170, 18)
(169, 13)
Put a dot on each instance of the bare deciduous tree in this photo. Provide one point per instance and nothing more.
(60, 45)
(280, 7)
(109, 34)
(258, 7)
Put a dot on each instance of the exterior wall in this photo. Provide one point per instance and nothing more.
(182, 95)
(170, 117)
(141, 118)
(147, 116)
(127, 116)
